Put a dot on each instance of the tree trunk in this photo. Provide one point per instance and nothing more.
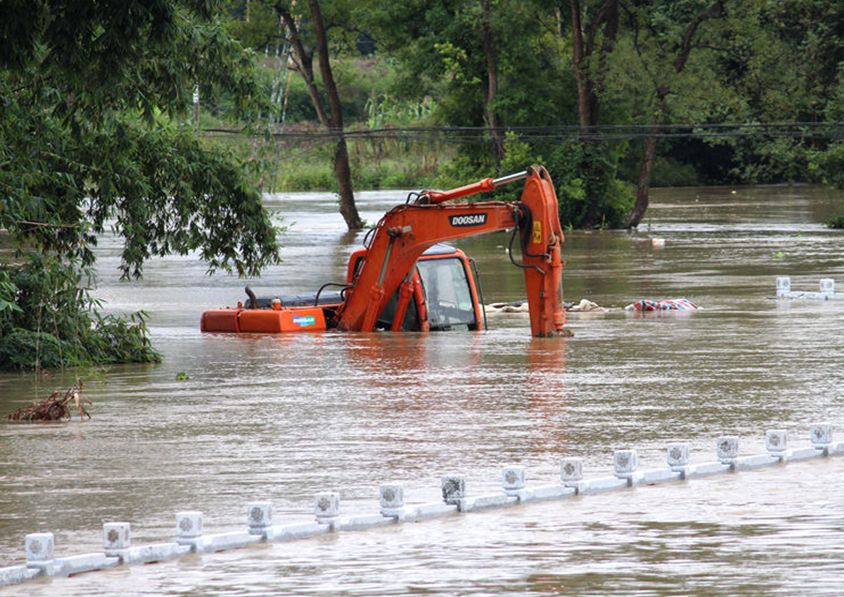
(594, 167)
(584, 85)
(332, 118)
(491, 53)
(305, 66)
(643, 189)
(591, 84)
(663, 89)
(343, 172)
(610, 11)
(342, 169)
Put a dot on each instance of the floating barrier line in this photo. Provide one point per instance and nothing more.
(826, 291)
(118, 550)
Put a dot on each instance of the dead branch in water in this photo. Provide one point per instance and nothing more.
(56, 407)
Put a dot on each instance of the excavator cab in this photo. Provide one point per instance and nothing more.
(448, 295)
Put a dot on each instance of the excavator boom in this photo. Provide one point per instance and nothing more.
(406, 231)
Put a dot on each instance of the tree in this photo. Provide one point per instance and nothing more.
(600, 199)
(490, 110)
(783, 59)
(671, 31)
(94, 98)
(492, 63)
(330, 116)
(590, 58)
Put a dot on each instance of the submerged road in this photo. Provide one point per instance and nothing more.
(283, 418)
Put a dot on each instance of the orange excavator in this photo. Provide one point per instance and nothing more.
(406, 279)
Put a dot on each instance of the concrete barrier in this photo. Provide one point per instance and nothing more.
(826, 290)
(117, 540)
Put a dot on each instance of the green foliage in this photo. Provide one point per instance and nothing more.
(8, 292)
(836, 223)
(387, 110)
(828, 165)
(409, 166)
(254, 24)
(589, 193)
(94, 101)
(669, 172)
(53, 321)
(114, 155)
(518, 154)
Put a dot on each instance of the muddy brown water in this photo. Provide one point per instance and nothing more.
(282, 418)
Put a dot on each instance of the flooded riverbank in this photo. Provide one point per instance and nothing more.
(282, 418)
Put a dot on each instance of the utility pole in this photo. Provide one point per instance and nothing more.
(196, 107)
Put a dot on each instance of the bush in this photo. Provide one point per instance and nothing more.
(671, 173)
(589, 193)
(836, 223)
(48, 319)
(828, 165)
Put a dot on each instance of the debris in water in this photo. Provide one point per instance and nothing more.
(586, 306)
(511, 307)
(56, 407)
(521, 306)
(680, 304)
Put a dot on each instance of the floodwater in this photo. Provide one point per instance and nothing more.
(282, 418)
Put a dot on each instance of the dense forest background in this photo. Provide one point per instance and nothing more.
(612, 96)
(164, 120)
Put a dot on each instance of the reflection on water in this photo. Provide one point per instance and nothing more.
(284, 417)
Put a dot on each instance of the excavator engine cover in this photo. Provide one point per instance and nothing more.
(283, 320)
(220, 320)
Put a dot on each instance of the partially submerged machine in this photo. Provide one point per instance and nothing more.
(406, 279)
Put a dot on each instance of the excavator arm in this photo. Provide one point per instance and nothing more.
(405, 232)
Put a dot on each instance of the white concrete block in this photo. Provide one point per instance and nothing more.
(783, 286)
(453, 488)
(473, 504)
(429, 511)
(727, 448)
(827, 286)
(624, 463)
(571, 471)
(155, 552)
(225, 541)
(366, 521)
(601, 485)
(820, 435)
(677, 455)
(758, 460)
(39, 550)
(327, 507)
(512, 479)
(259, 517)
(706, 469)
(188, 525)
(84, 563)
(391, 499)
(293, 532)
(14, 575)
(546, 492)
(776, 441)
(660, 475)
(116, 536)
(803, 454)
(836, 449)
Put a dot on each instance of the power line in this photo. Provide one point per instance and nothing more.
(610, 132)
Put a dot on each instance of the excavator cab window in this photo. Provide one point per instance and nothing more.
(411, 318)
(447, 294)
